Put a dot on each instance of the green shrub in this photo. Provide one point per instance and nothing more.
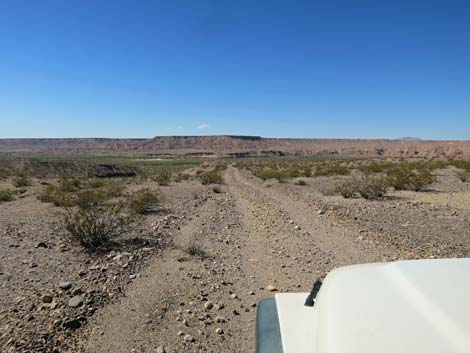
(210, 177)
(52, 194)
(144, 201)
(331, 169)
(347, 189)
(7, 195)
(372, 187)
(182, 176)
(67, 191)
(193, 248)
(69, 184)
(163, 178)
(266, 174)
(405, 178)
(92, 219)
(21, 181)
(375, 167)
(95, 183)
(367, 187)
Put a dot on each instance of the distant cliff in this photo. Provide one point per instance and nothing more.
(236, 146)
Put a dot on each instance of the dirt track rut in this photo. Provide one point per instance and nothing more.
(253, 237)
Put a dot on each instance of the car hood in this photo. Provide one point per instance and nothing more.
(399, 307)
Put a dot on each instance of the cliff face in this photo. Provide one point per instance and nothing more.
(236, 146)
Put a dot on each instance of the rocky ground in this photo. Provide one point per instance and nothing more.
(148, 294)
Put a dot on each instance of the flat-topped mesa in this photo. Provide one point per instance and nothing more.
(237, 146)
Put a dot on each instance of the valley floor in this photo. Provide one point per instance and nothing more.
(257, 238)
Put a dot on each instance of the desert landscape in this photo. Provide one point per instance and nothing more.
(125, 253)
(182, 177)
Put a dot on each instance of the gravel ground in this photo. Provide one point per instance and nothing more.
(150, 295)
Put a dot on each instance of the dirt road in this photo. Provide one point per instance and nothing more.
(253, 238)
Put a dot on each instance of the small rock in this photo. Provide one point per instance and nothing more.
(42, 244)
(322, 211)
(271, 288)
(188, 338)
(47, 299)
(76, 301)
(72, 324)
(161, 349)
(65, 285)
(208, 305)
(219, 331)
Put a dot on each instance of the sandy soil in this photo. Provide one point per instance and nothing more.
(255, 234)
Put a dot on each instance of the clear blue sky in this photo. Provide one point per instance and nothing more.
(350, 69)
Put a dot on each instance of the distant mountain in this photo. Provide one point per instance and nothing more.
(410, 139)
(235, 146)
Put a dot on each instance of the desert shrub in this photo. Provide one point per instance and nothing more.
(210, 177)
(182, 176)
(93, 219)
(95, 183)
(163, 177)
(375, 167)
(194, 248)
(67, 191)
(7, 195)
(295, 173)
(21, 181)
(347, 189)
(406, 178)
(59, 194)
(266, 174)
(372, 187)
(144, 201)
(367, 187)
(69, 184)
(331, 169)
(52, 194)
(461, 164)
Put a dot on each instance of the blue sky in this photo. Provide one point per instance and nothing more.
(347, 69)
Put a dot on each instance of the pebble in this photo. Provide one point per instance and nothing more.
(72, 324)
(188, 338)
(65, 285)
(47, 299)
(76, 301)
(271, 288)
(219, 331)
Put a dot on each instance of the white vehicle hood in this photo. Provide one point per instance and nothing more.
(401, 307)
